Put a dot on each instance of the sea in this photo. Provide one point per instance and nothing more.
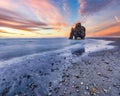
(17, 47)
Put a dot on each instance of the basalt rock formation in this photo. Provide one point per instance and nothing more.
(78, 32)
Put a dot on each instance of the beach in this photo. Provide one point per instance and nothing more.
(60, 67)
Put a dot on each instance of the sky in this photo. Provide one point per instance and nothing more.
(55, 18)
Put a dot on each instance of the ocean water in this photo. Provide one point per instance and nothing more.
(13, 48)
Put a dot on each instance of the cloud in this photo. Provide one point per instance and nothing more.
(30, 18)
(8, 4)
(115, 34)
(3, 31)
(113, 29)
(88, 7)
(117, 19)
(48, 16)
(16, 20)
(45, 11)
(47, 28)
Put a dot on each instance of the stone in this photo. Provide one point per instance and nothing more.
(49, 94)
(99, 73)
(105, 90)
(16, 95)
(77, 90)
(50, 84)
(32, 86)
(86, 87)
(81, 83)
(93, 91)
(109, 69)
(77, 76)
(52, 64)
(106, 62)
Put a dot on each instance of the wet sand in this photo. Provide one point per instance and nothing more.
(76, 74)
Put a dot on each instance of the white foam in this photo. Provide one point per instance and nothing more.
(90, 45)
(93, 45)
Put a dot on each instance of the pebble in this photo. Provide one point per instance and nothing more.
(77, 87)
(115, 85)
(105, 90)
(52, 64)
(52, 70)
(32, 86)
(98, 73)
(94, 84)
(64, 92)
(87, 88)
(93, 91)
(81, 83)
(50, 89)
(86, 93)
(109, 69)
(64, 57)
(77, 90)
(106, 62)
(3, 79)
(77, 76)
(57, 89)
(50, 84)
(49, 94)
(73, 86)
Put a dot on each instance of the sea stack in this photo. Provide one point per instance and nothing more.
(78, 32)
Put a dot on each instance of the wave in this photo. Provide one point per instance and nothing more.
(24, 49)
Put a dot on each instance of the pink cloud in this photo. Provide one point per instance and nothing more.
(82, 5)
(45, 11)
(18, 21)
(111, 30)
(9, 4)
(11, 16)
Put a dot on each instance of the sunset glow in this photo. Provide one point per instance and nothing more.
(54, 18)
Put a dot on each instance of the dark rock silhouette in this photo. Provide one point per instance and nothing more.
(78, 32)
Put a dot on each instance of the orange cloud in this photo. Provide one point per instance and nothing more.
(30, 16)
(108, 31)
(45, 11)
(15, 20)
(11, 17)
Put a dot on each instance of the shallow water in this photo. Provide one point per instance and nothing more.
(13, 48)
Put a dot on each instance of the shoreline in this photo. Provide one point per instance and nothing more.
(97, 74)
(61, 74)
